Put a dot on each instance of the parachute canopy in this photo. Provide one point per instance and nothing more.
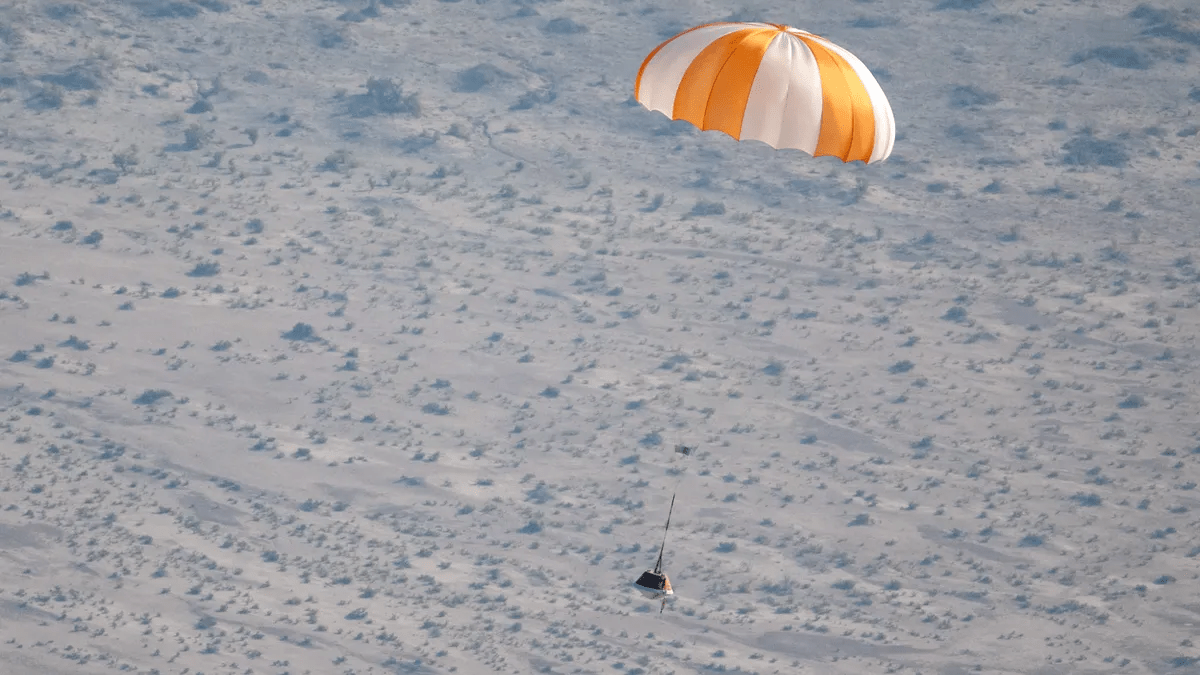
(772, 83)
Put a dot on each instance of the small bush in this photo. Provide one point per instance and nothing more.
(477, 77)
(151, 396)
(965, 5)
(338, 161)
(385, 97)
(435, 409)
(75, 343)
(301, 332)
(1116, 56)
(1132, 401)
(956, 314)
(1087, 150)
(195, 137)
(199, 107)
(564, 26)
(968, 96)
(706, 208)
(48, 97)
(205, 269)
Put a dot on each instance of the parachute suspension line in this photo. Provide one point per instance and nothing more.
(658, 565)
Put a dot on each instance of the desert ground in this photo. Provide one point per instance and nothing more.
(356, 337)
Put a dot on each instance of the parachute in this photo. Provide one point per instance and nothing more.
(772, 83)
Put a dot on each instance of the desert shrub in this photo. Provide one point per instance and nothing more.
(195, 137)
(301, 332)
(706, 208)
(63, 11)
(1132, 401)
(205, 269)
(1087, 150)
(151, 396)
(968, 96)
(965, 5)
(337, 161)
(956, 314)
(331, 38)
(1117, 56)
(48, 97)
(384, 97)
(75, 343)
(477, 77)
(534, 97)
(564, 26)
(167, 9)
(75, 78)
(125, 159)
(200, 106)
(652, 439)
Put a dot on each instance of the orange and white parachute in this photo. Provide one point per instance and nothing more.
(772, 83)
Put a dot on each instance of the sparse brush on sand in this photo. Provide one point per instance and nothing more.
(356, 337)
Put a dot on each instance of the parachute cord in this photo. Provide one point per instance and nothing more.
(663, 548)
